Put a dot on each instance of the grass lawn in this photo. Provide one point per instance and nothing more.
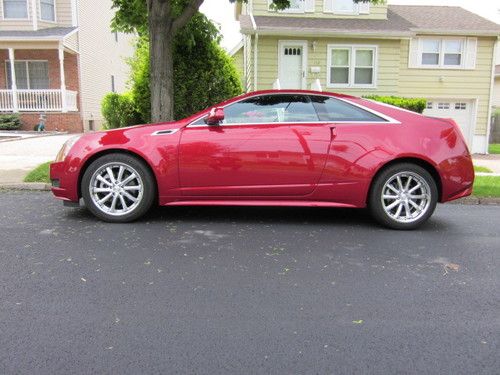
(487, 186)
(478, 168)
(494, 148)
(484, 186)
(39, 174)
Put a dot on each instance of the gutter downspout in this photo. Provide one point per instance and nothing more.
(255, 52)
(490, 104)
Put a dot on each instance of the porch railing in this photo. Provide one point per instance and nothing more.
(37, 101)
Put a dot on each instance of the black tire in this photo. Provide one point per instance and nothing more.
(386, 215)
(145, 197)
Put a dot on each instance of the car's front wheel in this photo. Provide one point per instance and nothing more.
(118, 188)
(403, 196)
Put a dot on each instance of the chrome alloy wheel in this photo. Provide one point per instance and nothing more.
(116, 188)
(406, 197)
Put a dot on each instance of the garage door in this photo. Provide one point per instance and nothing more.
(457, 109)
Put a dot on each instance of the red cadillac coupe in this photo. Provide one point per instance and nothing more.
(272, 148)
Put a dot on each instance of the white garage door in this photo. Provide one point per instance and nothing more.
(457, 109)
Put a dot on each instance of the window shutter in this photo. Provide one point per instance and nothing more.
(414, 53)
(364, 8)
(309, 6)
(328, 6)
(470, 53)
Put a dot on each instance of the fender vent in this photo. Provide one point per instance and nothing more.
(165, 132)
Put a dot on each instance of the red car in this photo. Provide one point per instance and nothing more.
(272, 148)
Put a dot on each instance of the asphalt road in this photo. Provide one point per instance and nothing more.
(246, 291)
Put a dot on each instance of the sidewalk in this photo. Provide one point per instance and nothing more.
(491, 161)
(18, 157)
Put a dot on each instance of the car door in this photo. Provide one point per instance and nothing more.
(268, 146)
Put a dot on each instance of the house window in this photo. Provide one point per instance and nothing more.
(442, 52)
(443, 105)
(351, 66)
(15, 9)
(344, 6)
(296, 6)
(429, 105)
(461, 106)
(47, 10)
(30, 75)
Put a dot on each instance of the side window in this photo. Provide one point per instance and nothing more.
(271, 108)
(331, 109)
(266, 109)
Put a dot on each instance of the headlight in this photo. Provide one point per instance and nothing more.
(63, 152)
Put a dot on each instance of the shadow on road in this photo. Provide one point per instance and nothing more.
(261, 215)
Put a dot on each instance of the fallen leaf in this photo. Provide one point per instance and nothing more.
(83, 279)
(452, 266)
(358, 321)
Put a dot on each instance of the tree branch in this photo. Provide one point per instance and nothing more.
(186, 14)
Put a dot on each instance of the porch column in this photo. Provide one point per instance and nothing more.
(63, 79)
(15, 106)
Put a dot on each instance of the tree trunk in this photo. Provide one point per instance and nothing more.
(161, 38)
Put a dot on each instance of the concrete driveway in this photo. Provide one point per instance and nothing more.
(18, 157)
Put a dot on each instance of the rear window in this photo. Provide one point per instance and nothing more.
(331, 109)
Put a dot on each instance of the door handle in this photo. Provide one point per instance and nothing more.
(333, 133)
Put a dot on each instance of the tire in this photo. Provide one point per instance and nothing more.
(124, 197)
(397, 205)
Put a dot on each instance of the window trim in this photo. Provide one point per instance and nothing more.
(352, 65)
(40, 12)
(442, 41)
(16, 19)
(7, 75)
(389, 120)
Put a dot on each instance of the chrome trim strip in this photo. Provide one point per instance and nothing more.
(389, 120)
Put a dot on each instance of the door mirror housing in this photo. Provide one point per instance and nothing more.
(215, 116)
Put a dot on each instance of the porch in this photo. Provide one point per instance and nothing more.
(39, 73)
(57, 100)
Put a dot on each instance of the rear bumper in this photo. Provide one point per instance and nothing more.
(64, 184)
(457, 178)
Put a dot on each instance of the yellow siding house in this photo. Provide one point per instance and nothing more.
(444, 54)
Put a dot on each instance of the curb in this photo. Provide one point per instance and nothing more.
(40, 186)
(486, 201)
(34, 136)
(32, 186)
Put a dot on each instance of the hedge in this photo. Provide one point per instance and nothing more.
(119, 111)
(10, 122)
(411, 104)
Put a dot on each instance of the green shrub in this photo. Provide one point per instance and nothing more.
(10, 122)
(119, 111)
(411, 104)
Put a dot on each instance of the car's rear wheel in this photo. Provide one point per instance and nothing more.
(118, 188)
(403, 196)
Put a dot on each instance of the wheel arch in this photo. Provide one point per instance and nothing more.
(101, 153)
(413, 160)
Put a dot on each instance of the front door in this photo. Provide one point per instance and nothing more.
(256, 151)
(292, 61)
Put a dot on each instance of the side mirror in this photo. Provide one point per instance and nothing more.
(215, 116)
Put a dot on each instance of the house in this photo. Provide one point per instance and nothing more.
(65, 58)
(496, 88)
(444, 54)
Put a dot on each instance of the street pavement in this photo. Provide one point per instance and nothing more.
(19, 157)
(223, 290)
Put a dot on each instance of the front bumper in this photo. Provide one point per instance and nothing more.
(64, 183)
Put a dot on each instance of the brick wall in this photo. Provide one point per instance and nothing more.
(70, 122)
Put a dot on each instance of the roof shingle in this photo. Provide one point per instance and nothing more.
(402, 20)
